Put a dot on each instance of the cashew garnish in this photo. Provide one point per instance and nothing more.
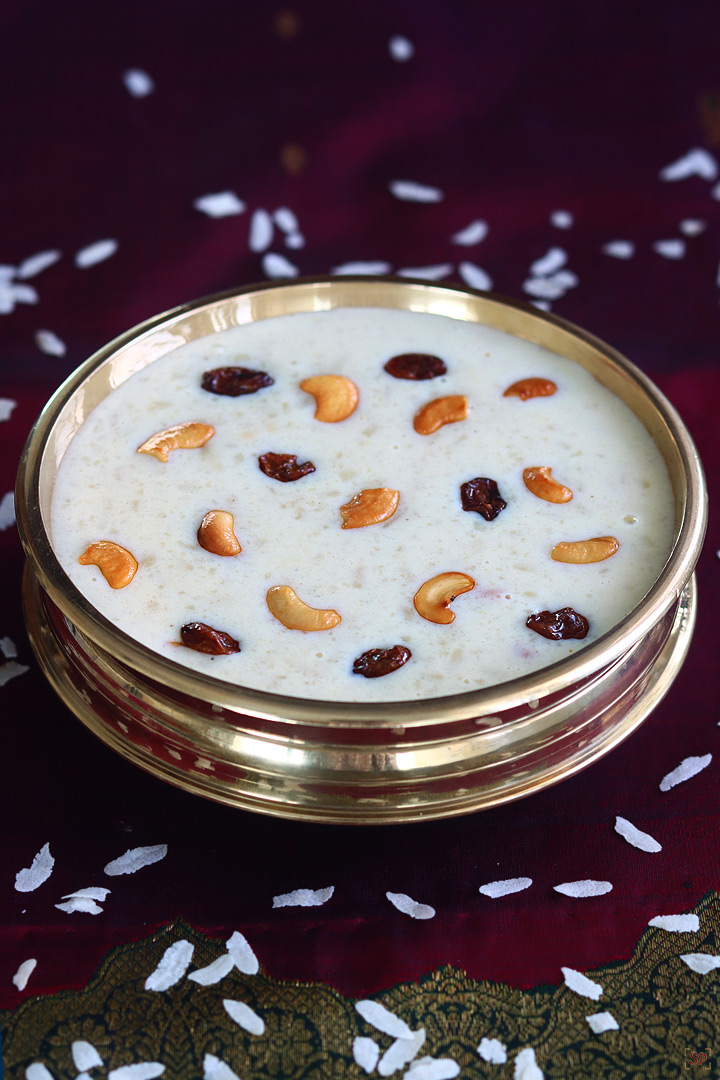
(284, 603)
(116, 563)
(530, 388)
(539, 480)
(585, 551)
(216, 533)
(336, 397)
(440, 411)
(432, 599)
(369, 507)
(181, 437)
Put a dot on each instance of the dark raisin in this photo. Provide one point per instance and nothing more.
(482, 496)
(376, 662)
(234, 381)
(284, 467)
(417, 366)
(202, 638)
(559, 625)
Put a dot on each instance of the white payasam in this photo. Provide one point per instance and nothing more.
(377, 576)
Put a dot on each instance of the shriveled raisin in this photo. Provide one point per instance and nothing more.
(202, 638)
(482, 496)
(417, 366)
(234, 381)
(376, 662)
(559, 625)
(284, 467)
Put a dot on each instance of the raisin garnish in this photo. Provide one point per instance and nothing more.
(482, 496)
(202, 638)
(376, 662)
(234, 381)
(284, 467)
(559, 625)
(417, 366)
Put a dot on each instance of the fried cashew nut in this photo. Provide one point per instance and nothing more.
(116, 564)
(369, 507)
(585, 551)
(216, 533)
(531, 388)
(181, 437)
(284, 603)
(336, 397)
(539, 480)
(440, 411)
(432, 599)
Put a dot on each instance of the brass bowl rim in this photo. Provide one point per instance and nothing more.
(553, 678)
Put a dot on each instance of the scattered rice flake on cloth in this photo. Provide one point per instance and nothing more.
(693, 226)
(35, 264)
(243, 1015)
(42, 866)
(277, 266)
(242, 955)
(602, 1021)
(7, 510)
(95, 253)
(401, 1053)
(48, 342)
(85, 1056)
(472, 234)
(701, 962)
(11, 670)
(400, 48)
(588, 887)
(215, 1069)
(580, 984)
(304, 897)
(220, 204)
(80, 903)
(366, 1053)
(38, 1071)
(23, 973)
(135, 859)
(544, 288)
(431, 273)
(382, 1019)
(638, 839)
(688, 767)
(93, 892)
(679, 924)
(619, 249)
(494, 889)
(138, 83)
(562, 219)
(173, 965)
(697, 162)
(11, 294)
(6, 407)
(552, 260)
(670, 249)
(144, 1070)
(286, 220)
(492, 1051)
(410, 191)
(295, 241)
(475, 276)
(214, 972)
(428, 1068)
(359, 267)
(410, 907)
(261, 231)
(526, 1067)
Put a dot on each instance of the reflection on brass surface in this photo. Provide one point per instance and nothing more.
(332, 761)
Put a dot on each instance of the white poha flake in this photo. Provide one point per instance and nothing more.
(382, 1019)
(242, 955)
(410, 907)
(95, 253)
(286, 220)
(552, 260)
(138, 83)
(23, 973)
(506, 887)
(692, 226)
(304, 897)
(526, 1067)
(428, 1068)
(7, 510)
(475, 276)
(11, 294)
(701, 962)
(85, 1056)
(688, 767)
(410, 191)
(173, 965)
(261, 231)
(82, 904)
(635, 837)
(8, 648)
(431, 273)
(580, 984)
(544, 288)
(619, 249)
(670, 249)
(215, 1069)
(472, 234)
(243, 1015)
(602, 1021)
(93, 892)
(295, 241)
(678, 924)
(143, 1070)
(38, 1071)
(366, 1053)
(219, 205)
(587, 887)
(35, 264)
(401, 1053)
(277, 266)
(492, 1051)
(697, 162)
(135, 859)
(360, 267)
(11, 670)
(400, 48)
(48, 342)
(6, 408)
(214, 972)
(39, 871)
(562, 219)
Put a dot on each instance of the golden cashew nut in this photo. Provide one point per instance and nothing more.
(284, 603)
(539, 480)
(585, 551)
(369, 507)
(440, 411)
(181, 437)
(531, 388)
(216, 533)
(116, 564)
(432, 599)
(336, 397)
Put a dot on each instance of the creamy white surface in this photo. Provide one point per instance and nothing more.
(291, 533)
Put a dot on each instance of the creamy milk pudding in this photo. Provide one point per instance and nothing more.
(476, 511)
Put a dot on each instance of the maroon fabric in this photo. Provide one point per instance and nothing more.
(513, 111)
